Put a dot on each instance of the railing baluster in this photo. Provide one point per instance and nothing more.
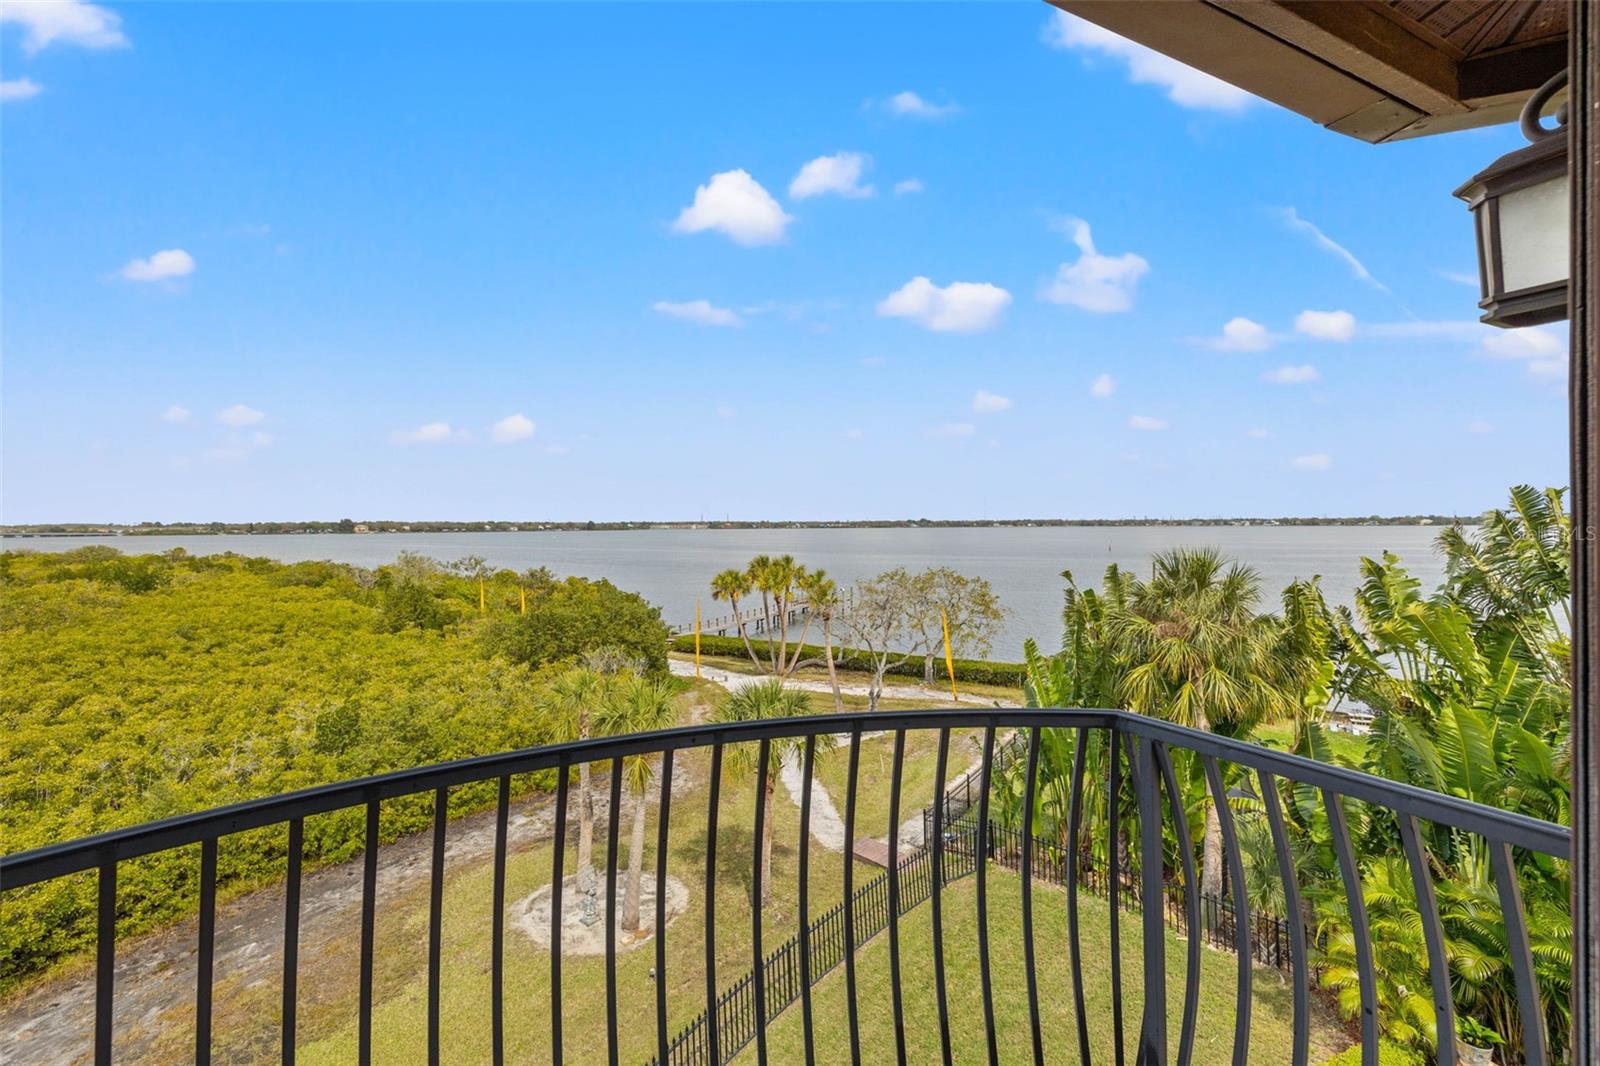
(807, 767)
(291, 938)
(1528, 1002)
(1029, 788)
(1433, 934)
(1191, 897)
(939, 772)
(757, 887)
(982, 858)
(105, 962)
(849, 896)
(558, 877)
(663, 828)
(1114, 884)
(1153, 1032)
(711, 904)
(441, 799)
(613, 821)
(369, 904)
(1291, 903)
(1241, 912)
(894, 895)
(205, 951)
(1074, 941)
(1356, 904)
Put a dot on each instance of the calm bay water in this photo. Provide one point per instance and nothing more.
(671, 568)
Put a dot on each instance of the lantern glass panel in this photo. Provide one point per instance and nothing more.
(1533, 235)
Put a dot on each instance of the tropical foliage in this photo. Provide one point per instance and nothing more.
(138, 687)
(1470, 691)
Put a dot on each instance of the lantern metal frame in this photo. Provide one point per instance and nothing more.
(1544, 159)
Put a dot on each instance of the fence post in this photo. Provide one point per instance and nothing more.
(1153, 1033)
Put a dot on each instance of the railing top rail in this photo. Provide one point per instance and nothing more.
(55, 860)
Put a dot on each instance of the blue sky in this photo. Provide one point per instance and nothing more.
(413, 261)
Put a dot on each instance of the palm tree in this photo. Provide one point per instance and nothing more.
(571, 703)
(730, 585)
(822, 597)
(637, 705)
(754, 703)
(1201, 655)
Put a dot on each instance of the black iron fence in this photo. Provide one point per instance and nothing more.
(1141, 756)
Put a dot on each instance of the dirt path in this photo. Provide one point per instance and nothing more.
(51, 1024)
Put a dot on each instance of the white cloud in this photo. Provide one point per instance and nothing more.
(1292, 375)
(46, 22)
(734, 203)
(240, 415)
(908, 104)
(700, 311)
(1292, 219)
(163, 266)
(175, 413)
(427, 433)
(19, 89)
(1095, 282)
(1185, 86)
(1544, 350)
(1145, 422)
(1241, 335)
(1326, 325)
(1479, 426)
(959, 307)
(908, 186)
(955, 429)
(1259, 434)
(1530, 343)
(511, 429)
(838, 174)
(1103, 386)
(724, 411)
(1460, 278)
(854, 434)
(985, 402)
(1314, 461)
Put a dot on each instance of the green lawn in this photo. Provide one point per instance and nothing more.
(1271, 1034)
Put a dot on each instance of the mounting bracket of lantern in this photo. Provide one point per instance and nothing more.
(1519, 206)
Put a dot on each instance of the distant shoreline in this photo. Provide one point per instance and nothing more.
(350, 527)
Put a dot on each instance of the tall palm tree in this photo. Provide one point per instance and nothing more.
(1202, 655)
(729, 585)
(754, 703)
(571, 702)
(822, 598)
(637, 705)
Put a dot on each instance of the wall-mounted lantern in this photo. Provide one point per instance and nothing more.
(1519, 206)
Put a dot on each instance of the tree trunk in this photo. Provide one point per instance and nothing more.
(1211, 854)
(766, 840)
(585, 819)
(738, 622)
(927, 669)
(833, 673)
(630, 902)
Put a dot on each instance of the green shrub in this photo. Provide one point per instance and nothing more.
(1388, 1055)
(972, 671)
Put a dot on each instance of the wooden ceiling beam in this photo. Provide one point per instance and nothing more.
(1364, 43)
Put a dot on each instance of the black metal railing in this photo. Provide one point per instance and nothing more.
(1140, 750)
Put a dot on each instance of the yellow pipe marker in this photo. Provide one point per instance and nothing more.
(482, 609)
(949, 660)
(523, 592)
(696, 638)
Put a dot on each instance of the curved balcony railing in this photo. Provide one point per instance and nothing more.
(1140, 762)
